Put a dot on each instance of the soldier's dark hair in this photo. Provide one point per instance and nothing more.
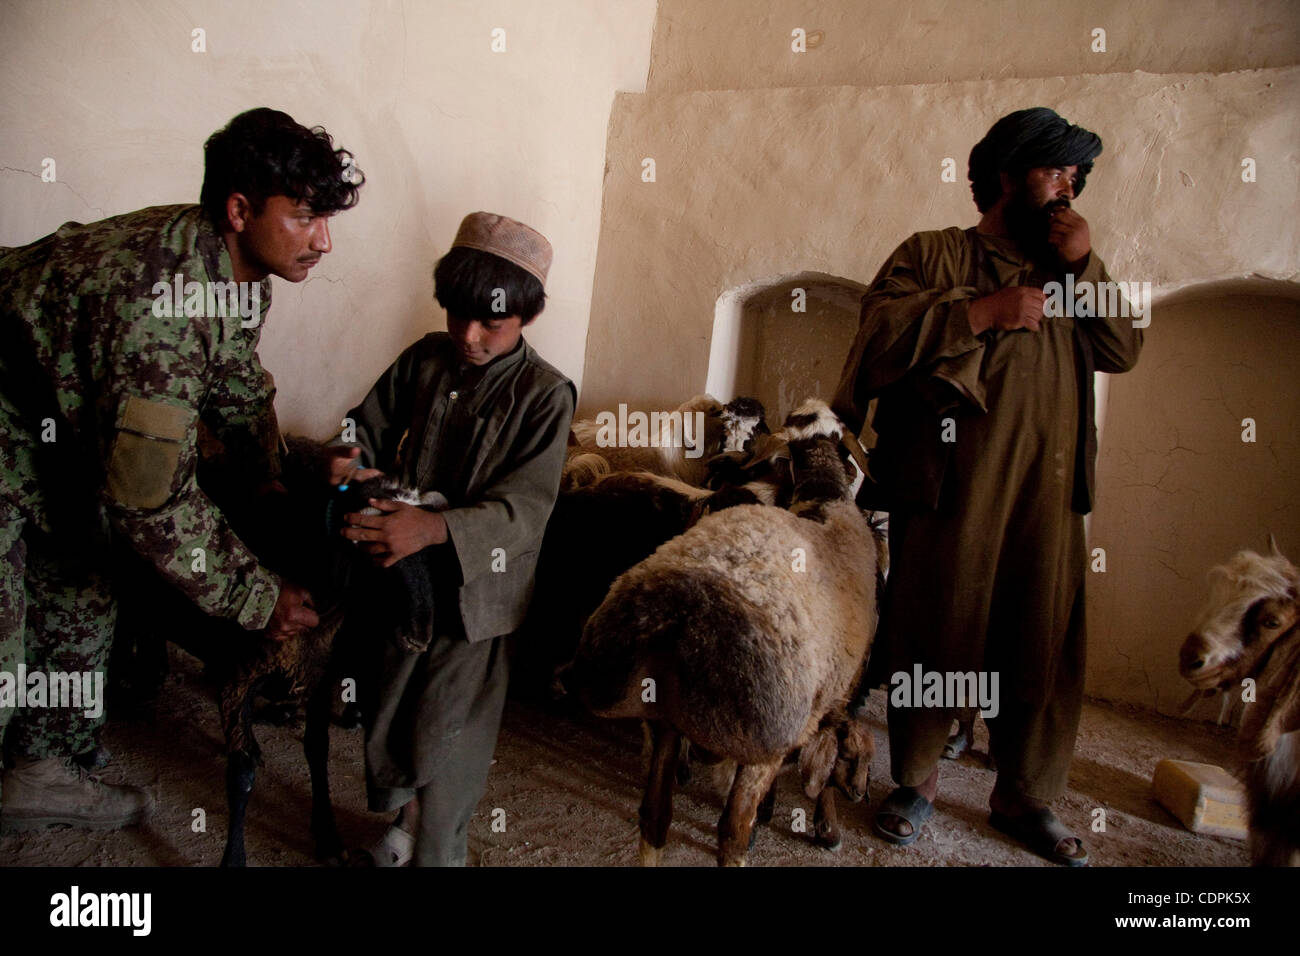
(472, 284)
(263, 153)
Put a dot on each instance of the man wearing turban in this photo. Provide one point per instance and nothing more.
(984, 458)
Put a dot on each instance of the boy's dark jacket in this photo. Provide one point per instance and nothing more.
(495, 451)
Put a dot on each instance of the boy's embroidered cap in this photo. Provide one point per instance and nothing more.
(507, 238)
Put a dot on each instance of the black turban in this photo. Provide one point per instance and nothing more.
(1022, 140)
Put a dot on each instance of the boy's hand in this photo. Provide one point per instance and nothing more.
(398, 533)
(345, 468)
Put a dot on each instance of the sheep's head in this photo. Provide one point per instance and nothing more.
(852, 773)
(674, 427)
(839, 754)
(812, 419)
(822, 467)
(1253, 602)
(743, 420)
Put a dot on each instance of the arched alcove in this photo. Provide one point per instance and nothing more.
(783, 339)
(1179, 490)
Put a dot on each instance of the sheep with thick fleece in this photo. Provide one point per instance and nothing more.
(741, 634)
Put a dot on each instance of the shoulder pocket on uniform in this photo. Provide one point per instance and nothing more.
(146, 451)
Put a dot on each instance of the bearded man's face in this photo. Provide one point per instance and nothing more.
(1029, 210)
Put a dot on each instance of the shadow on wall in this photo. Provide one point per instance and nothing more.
(783, 339)
(1200, 458)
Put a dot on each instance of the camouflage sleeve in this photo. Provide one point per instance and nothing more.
(157, 381)
(240, 411)
(377, 424)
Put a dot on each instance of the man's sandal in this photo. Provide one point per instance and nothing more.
(1041, 831)
(906, 803)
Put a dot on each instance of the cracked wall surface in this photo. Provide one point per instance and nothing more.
(440, 124)
(747, 44)
(1180, 491)
(751, 184)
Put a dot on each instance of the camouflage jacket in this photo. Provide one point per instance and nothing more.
(495, 450)
(116, 339)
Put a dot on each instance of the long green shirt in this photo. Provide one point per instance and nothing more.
(985, 448)
(103, 382)
(494, 449)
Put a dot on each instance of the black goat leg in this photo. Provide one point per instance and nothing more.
(316, 745)
(241, 771)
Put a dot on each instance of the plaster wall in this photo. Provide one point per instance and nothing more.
(1180, 491)
(747, 44)
(755, 184)
(788, 349)
(440, 124)
(752, 187)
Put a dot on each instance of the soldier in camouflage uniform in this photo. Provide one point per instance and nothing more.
(116, 339)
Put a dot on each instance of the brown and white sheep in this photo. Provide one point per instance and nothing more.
(1251, 629)
(742, 635)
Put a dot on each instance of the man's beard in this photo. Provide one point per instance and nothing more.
(1029, 224)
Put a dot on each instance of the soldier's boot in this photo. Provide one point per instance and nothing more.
(38, 793)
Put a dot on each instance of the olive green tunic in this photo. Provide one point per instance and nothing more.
(494, 446)
(985, 451)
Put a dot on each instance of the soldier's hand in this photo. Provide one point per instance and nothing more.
(293, 614)
(1015, 307)
(345, 468)
(1068, 234)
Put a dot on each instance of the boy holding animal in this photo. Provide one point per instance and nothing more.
(477, 414)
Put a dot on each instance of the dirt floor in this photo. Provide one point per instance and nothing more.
(569, 787)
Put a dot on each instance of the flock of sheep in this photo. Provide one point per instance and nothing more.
(747, 627)
(733, 612)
